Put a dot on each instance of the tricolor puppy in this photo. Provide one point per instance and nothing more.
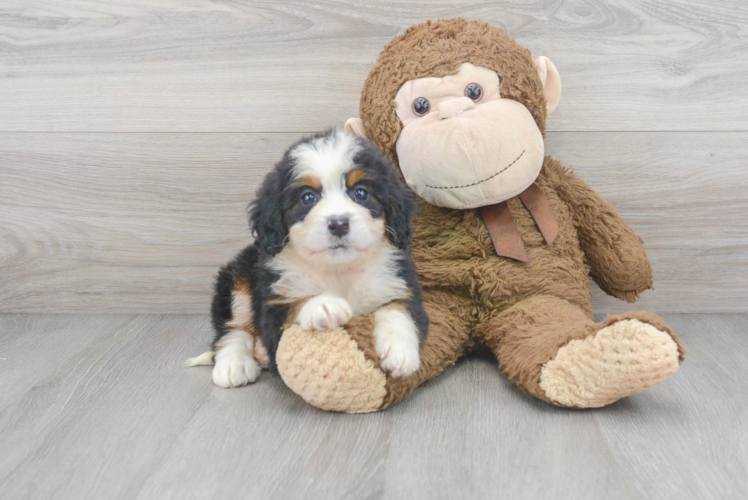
(332, 241)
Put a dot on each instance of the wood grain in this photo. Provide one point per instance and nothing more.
(664, 453)
(93, 433)
(141, 222)
(109, 202)
(116, 416)
(132, 135)
(134, 222)
(204, 66)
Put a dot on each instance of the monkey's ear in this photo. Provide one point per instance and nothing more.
(355, 126)
(551, 82)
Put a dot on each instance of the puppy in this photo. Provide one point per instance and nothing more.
(332, 240)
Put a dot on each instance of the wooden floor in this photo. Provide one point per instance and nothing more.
(132, 135)
(100, 407)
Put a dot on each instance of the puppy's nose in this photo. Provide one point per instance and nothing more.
(455, 107)
(338, 226)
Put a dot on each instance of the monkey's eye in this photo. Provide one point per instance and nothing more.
(421, 106)
(308, 198)
(361, 194)
(473, 91)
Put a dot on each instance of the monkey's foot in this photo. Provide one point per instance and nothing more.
(623, 358)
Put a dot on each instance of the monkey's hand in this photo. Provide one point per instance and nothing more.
(615, 254)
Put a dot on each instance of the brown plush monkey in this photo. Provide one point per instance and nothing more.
(505, 242)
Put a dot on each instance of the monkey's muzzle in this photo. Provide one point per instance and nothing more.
(468, 157)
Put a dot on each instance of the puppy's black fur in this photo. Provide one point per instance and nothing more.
(275, 210)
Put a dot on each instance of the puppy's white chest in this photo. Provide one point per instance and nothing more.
(366, 288)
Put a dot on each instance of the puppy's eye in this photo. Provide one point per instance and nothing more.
(361, 194)
(473, 91)
(308, 198)
(421, 106)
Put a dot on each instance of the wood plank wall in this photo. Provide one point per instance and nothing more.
(133, 134)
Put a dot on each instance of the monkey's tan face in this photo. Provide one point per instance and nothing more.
(462, 145)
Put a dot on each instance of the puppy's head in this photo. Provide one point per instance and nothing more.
(333, 198)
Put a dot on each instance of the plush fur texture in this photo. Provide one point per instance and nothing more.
(525, 313)
(594, 371)
(498, 159)
(332, 229)
(438, 49)
(352, 380)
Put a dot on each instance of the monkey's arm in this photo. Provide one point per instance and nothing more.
(619, 264)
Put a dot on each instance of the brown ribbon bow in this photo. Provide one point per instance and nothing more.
(504, 233)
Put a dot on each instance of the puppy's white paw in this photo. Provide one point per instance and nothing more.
(235, 370)
(396, 342)
(324, 312)
(235, 365)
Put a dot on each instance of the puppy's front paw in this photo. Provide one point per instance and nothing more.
(235, 370)
(396, 343)
(399, 358)
(324, 312)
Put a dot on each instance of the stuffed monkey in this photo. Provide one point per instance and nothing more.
(505, 240)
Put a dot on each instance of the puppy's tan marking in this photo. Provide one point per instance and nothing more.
(354, 177)
(311, 181)
(241, 306)
(282, 301)
(241, 310)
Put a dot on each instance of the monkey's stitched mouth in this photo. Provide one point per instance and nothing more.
(481, 181)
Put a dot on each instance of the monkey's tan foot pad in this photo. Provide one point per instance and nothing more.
(624, 358)
(328, 370)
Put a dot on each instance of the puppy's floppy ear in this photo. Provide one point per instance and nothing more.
(396, 198)
(399, 210)
(266, 215)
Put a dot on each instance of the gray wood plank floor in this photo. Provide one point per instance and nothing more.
(98, 406)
